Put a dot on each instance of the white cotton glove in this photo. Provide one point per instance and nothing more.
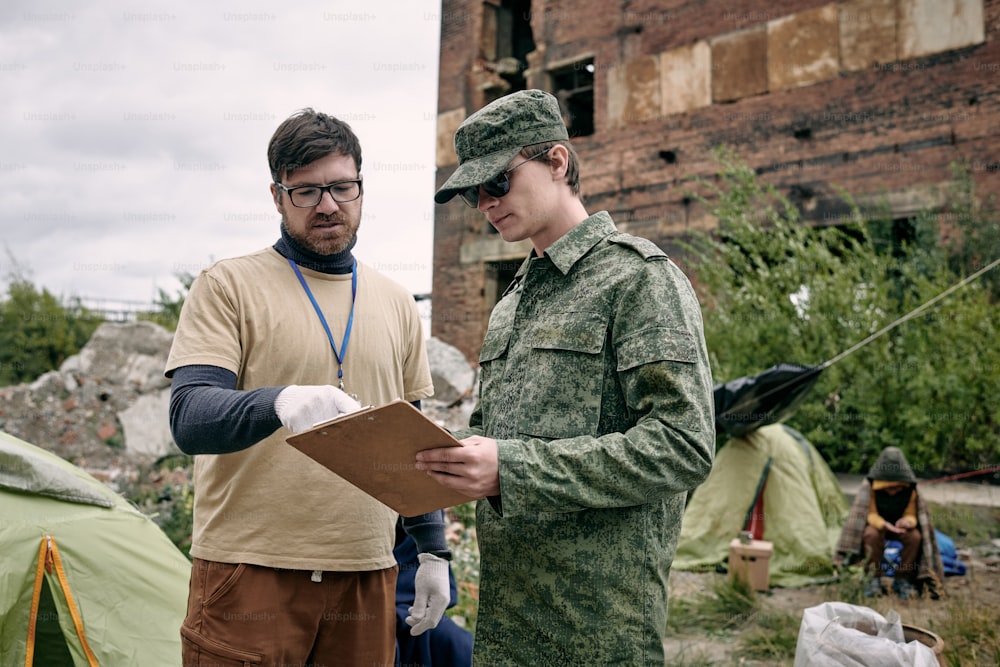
(432, 594)
(301, 407)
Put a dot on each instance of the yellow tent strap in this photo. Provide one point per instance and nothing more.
(48, 558)
(36, 596)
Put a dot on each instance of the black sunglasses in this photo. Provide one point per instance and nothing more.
(497, 186)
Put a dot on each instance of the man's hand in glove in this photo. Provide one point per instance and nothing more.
(432, 592)
(300, 407)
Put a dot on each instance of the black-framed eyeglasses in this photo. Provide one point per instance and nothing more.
(497, 186)
(307, 196)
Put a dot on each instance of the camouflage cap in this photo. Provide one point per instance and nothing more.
(490, 138)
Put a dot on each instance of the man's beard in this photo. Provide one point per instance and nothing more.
(325, 246)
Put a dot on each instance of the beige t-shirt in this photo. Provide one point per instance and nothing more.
(270, 504)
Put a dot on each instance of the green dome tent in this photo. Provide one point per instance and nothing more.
(803, 508)
(85, 578)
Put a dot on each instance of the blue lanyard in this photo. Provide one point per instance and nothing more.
(326, 327)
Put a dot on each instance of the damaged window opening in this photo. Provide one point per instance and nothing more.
(506, 41)
(573, 85)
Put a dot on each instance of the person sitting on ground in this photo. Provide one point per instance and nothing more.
(889, 507)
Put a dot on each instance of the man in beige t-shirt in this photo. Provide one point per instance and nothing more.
(293, 565)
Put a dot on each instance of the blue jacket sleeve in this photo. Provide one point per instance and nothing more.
(427, 531)
(208, 415)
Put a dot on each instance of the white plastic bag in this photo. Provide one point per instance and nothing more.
(837, 634)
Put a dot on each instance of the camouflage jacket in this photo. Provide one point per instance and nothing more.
(595, 381)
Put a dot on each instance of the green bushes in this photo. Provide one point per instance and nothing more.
(38, 332)
(775, 289)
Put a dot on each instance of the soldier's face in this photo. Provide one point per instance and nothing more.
(522, 212)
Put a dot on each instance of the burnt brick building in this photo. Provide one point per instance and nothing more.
(877, 97)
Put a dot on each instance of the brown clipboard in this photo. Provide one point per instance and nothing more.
(375, 450)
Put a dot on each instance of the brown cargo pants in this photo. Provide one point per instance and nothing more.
(248, 615)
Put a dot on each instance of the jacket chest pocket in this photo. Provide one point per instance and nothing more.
(564, 378)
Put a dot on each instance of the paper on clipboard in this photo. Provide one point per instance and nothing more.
(375, 450)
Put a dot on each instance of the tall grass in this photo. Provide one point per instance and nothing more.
(755, 628)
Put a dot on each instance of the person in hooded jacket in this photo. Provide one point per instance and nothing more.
(887, 507)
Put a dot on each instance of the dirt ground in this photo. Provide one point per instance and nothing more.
(979, 588)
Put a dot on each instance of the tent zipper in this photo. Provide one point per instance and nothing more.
(49, 560)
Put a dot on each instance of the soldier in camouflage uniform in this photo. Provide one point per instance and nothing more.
(595, 412)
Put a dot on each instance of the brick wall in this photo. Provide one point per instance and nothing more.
(876, 97)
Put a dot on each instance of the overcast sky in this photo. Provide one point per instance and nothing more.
(133, 135)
